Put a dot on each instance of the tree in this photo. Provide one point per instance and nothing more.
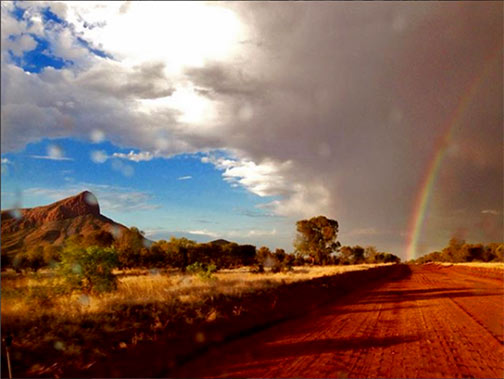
(128, 246)
(317, 238)
(354, 255)
(264, 256)
(100, 238)
(89, 269)
(179, 252)
(280, 255)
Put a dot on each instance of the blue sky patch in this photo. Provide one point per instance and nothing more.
(37, 59)
(161, 196)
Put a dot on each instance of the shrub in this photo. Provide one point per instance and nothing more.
(281, 267)
(89, 269)
(51, 255)
(35, 258)
(204, 271)
(277, 267)
(257, 269)
(20, 262)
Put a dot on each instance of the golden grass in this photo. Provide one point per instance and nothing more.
(34, 295)
(82, 326)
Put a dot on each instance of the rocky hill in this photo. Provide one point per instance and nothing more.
(54, 223)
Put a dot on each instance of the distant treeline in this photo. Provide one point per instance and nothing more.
(135, 251)
(459, 251)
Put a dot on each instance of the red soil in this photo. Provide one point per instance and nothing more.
(437, 322)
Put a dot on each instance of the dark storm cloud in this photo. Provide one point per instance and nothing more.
(357, 96)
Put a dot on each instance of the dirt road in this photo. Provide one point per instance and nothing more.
(437, 322)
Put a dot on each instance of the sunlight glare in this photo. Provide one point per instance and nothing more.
(193, 107)
(179, 34)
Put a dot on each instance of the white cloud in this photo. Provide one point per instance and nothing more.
(4, 167)
(204, 232)
(269, 178)
(251, 233)
(187, 177)
(110, 198)
(135, 157)
(22, 44)
(51, 158)
(240, 234)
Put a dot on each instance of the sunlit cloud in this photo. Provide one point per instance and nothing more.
(204, 232)
(135, 157)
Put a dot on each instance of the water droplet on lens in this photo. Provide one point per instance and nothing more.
(90, 199)
(58, 345)
(84, 300)
(97, 136)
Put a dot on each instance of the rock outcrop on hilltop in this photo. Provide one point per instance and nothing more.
(23, 229)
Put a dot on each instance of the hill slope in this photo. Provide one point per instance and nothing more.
(52, 224)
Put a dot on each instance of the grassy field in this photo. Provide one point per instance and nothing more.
(44, 319)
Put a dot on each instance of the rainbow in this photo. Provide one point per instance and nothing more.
(423, 197)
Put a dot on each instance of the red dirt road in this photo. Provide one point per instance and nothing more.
(437, 322)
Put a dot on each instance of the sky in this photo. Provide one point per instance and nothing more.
(235, 120)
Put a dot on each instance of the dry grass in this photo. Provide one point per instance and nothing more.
(34, 295)
(42, 317)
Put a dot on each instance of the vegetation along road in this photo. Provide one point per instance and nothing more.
(437, 322)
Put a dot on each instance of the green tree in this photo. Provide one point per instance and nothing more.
(89, 269)
(179, 252)
(317, 239)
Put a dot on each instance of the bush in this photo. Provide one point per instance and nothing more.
(459, 251)
(20, 262)
(35, 258)
(89, 269)
(281, 267)
(204, 271)
(257, 269)
(277, 267)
